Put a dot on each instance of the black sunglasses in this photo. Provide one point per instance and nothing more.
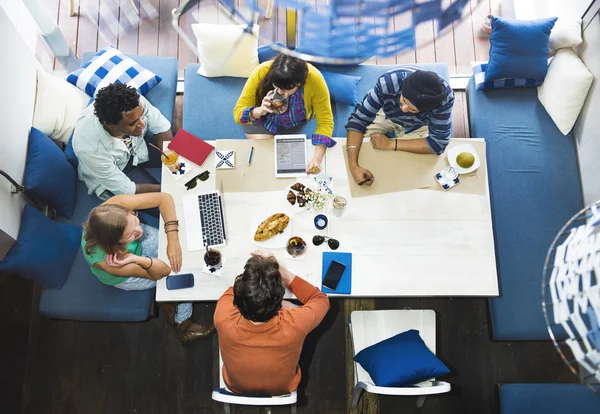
(333, 243)
(202, 177)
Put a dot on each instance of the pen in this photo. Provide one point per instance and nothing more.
(365, 181)
(250, 157)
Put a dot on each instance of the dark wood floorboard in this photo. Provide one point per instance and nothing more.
(15, 313)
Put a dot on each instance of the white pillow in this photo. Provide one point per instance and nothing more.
(565, 33)
(565, 88)
(58, 104)
(218, 57)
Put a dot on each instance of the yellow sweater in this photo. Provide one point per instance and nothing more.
(316, 97)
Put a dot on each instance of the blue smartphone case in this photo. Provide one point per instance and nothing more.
(182, 281)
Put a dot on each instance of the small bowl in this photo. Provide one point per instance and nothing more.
(321, 221)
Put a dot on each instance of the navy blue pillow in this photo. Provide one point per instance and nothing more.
(519, 48)
(70, 154)
(44, 250)
(267, 52)
(403, 359)
(49, 177)
(342, 88)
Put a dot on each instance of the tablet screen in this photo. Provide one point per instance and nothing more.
(290, 155)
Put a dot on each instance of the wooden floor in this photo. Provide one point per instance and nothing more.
(64, 367)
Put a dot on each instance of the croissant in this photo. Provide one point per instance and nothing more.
(298, 187)
(301, 200)
(273, 225)
(291, 197)
(308, 192)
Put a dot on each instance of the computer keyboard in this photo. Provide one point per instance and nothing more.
(211, 219)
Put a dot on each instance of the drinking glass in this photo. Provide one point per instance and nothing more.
(171, 160)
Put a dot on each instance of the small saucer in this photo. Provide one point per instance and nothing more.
(453, 154)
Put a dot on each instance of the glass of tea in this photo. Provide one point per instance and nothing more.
(296, 246)
(212, 258)
(171, 160)
(279, 103)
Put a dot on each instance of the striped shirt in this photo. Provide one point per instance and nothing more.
(294, 116)
(386, 95)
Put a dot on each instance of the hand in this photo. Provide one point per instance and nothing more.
(113, 260)
(313, 167)
(382, 142)
(361, 174)
(262, 253)
(265, 106)
(174, 255)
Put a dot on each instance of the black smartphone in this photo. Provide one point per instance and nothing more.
(334, 274)
(182, 281)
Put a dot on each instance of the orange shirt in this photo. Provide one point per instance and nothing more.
(263, 359)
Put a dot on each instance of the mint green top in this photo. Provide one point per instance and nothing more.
(98, 255)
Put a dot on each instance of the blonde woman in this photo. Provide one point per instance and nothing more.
(123, 253)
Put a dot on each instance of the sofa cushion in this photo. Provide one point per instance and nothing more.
(83, 296)
(481, 85)
(49, 177)
(548, 399)
(198, 91)
(565, 33)
(226, 49)
(565, 88)
(44, 250)
(534, 189)
(519, 48)
(111, 66)
(401, 360)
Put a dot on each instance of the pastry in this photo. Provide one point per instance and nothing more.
(308, 192)
(298, 187)
(301, 200)
(291, 197)
(275, 224)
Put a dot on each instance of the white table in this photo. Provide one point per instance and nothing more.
(409, 243)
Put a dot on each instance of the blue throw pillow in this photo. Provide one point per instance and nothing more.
(49, 177)
(481, 85)
(266, 52)
(401, 360)
(342, 88)
(111, 66)
(519, 48)
(44, 250)
(70, 154)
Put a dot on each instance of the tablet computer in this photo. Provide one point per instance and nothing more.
(290, 156)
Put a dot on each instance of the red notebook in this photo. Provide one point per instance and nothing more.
(191, 147)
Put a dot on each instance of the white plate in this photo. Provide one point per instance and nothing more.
(453, 153)
(296, 208)
(276, 242)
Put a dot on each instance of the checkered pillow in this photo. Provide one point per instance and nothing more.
(482, 85)
(111, 66)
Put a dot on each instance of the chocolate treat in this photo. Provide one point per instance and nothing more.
(291, 197)
(308, 192)
(301, 200)
(298, 187)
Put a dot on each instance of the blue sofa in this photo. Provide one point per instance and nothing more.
(208, 102)
(534, 189)
(548, 399)
(84, 297)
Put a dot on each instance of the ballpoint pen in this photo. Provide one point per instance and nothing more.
(250, 157)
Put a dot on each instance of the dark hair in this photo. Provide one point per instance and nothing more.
(258, 292)
(112, 100)
(104, 229)
(286, 72)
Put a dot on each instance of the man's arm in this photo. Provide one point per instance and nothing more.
(156, 123)
(315, 303)
(440, 126)
(417, 146)
(146, 188)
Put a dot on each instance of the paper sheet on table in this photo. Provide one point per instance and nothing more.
(259, 176)
(401, 171)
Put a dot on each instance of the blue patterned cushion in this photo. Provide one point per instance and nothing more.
(111, 66)
(482, 85)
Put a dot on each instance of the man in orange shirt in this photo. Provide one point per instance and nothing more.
(260, 335)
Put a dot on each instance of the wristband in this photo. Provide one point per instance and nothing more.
(395, 144)
(169, 231)
(351, 147)
(175, 222)
(151, 263)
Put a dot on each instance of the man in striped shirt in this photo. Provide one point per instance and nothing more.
(415, 105)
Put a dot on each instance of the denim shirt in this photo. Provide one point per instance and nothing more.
(102, 157)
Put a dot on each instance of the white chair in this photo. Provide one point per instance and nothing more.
(226, 398)
(370, 327)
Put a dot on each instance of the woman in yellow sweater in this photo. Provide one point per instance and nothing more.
(263, 110)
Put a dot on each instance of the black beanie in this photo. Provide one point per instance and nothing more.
(424, 89)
